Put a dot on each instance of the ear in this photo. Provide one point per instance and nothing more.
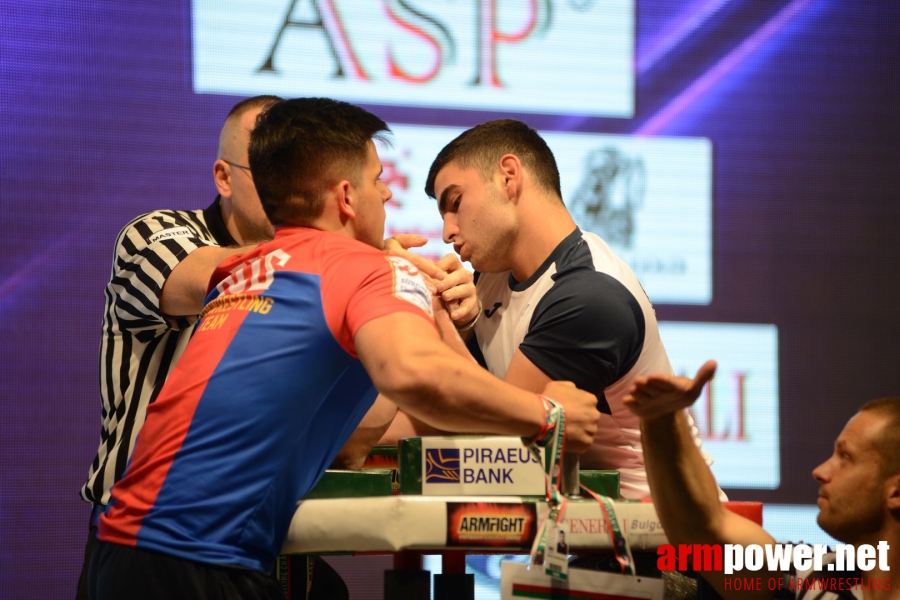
(346, 199)
(892, 493)
(222, 177)
(511, 176)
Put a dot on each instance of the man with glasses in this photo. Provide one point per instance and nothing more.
(161, 267)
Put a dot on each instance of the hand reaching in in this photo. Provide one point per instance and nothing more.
(657, 395)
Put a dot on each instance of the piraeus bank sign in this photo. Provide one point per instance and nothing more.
(480, 466)
(544, 56)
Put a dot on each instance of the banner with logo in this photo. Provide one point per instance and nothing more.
(475, 465)
(490, 524)
(539, 56)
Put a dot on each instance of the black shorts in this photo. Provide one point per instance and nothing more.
(125, 573)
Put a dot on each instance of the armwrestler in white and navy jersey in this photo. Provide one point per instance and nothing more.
(581, 317)
(557, 303)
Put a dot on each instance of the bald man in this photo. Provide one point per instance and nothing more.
(859, 496)
(161, 268)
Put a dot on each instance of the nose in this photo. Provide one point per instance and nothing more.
(450, 230)
(388, 194)
(822, 473)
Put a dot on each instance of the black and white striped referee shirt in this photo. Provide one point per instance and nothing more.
(140, 345)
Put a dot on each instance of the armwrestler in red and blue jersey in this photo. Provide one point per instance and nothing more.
(267, 393)
(295, 339)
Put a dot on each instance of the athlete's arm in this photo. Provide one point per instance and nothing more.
(524, 374)
(521, 373)
(185, 287)
(406, 360)
(404, 425)
(683, 488)
(367, 434)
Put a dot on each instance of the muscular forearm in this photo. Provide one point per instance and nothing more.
(408, 363)
(460, 396)
(451, 336)
(684, 490)
(404, 426)
(437, 386)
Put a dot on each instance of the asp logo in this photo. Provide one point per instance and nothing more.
(442, 465)
(475, 54)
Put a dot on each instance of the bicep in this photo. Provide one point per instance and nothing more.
(185, 288)
(390, 345)
(524, 374)
(148, 251)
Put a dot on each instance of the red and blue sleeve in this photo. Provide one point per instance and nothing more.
(360, 286)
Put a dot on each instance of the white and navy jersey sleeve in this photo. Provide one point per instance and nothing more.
(588, 329)
(147, 251)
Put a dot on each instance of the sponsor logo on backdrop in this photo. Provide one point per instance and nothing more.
(476, 54)
(493, 524)
(728, 395)
(649, 198)
(610, 193)
(737, 414)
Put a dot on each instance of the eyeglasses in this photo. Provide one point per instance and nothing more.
(238, 166)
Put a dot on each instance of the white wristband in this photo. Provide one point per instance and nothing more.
(471, 323)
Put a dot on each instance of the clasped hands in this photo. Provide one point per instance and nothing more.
(451, 284)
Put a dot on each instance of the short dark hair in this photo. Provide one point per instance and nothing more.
(303, 146)
(888, 444)
(484, 145)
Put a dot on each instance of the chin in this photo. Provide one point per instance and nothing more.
(484, 266)
(819, 519)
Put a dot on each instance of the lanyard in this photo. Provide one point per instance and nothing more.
(553, 437)
(621, 547)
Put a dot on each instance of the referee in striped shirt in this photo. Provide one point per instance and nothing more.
(162, 263)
